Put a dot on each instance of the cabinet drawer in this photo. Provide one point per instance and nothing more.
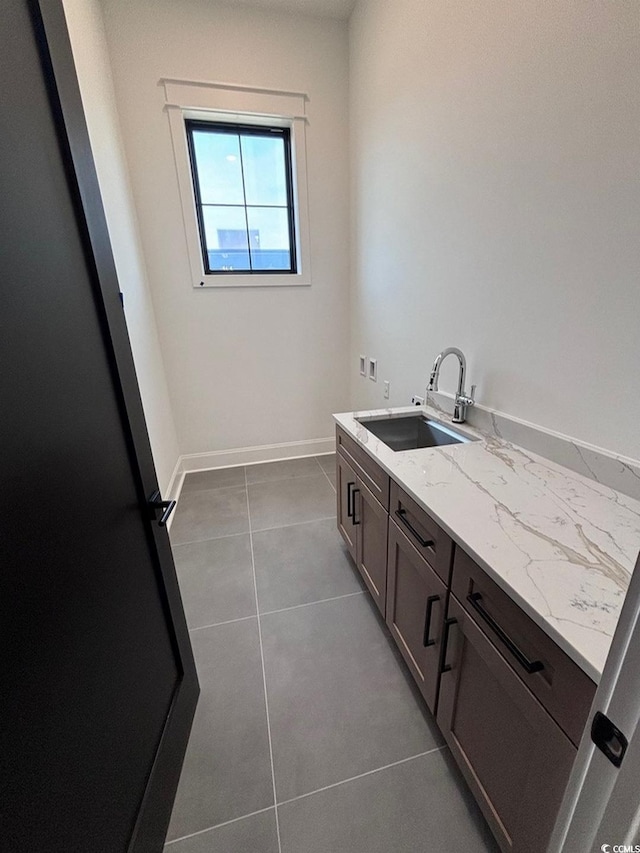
(427, 537)
(371, 474)
(550, 674)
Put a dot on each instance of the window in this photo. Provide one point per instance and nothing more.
(243, 195)
(241, 170)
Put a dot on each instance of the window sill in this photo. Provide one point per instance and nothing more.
(284, 280)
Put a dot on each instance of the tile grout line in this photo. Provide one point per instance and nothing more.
(253, 483)
(220, 624)
(295, 523)
(283, 479)
(310, 793)
(327, 476)
(264, 674)
(362, 775)
(280, 610)
(246, 532)
(210, 539)
(218, 825)
(310, 603)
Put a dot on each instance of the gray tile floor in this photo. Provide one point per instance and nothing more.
(309, 735)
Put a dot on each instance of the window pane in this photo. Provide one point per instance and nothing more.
(226, 238)
(264, 172)
(269, 234)
(219, 168)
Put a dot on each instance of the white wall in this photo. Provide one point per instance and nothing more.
(496, 205)
(86, 30)
(260, 365)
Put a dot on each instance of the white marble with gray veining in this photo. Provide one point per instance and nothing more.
(561, 545)
(619, 472)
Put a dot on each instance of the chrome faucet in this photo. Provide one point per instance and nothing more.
(462, 402)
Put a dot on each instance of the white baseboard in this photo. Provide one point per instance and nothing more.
(253, 455)
(190, 462)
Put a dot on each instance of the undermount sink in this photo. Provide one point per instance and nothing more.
(413, 431)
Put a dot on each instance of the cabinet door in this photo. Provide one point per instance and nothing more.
(345, 487)
(371, 521)
(416, 599)
(514, 757)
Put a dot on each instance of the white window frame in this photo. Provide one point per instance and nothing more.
(224, 102)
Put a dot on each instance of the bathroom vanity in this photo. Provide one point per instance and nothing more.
(499, 575)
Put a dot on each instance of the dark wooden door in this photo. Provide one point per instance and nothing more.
(515, 758)
(345, 486)
(371, 522)
(98, 683)
(416, 600)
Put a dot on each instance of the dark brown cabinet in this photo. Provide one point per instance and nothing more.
(510, 702)
(514, 756)
(371, 474)
(362, 490)
(416, 600)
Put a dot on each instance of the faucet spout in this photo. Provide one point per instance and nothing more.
(462, 402)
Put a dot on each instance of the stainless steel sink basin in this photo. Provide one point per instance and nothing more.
(413, 431)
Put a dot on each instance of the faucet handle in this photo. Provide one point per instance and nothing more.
(464, 400)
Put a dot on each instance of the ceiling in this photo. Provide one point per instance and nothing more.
(325, 8)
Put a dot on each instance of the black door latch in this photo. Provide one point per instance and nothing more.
(608, 738)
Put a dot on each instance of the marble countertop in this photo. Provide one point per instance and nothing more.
(561, 545)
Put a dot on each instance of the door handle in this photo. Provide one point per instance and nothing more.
(427, 621)
(156, 503)
(608, 738)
